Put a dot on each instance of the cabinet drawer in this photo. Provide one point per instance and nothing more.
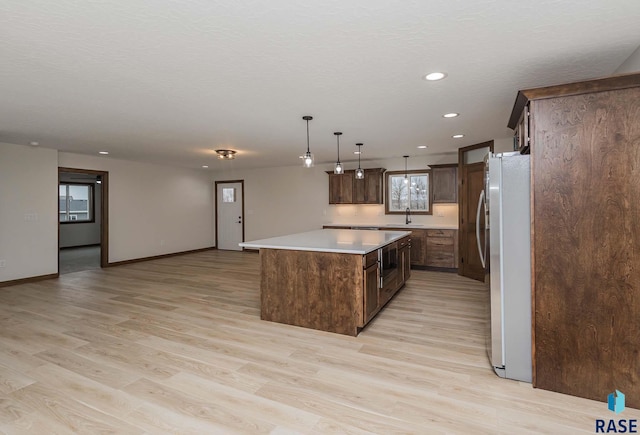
(437, 242)
(440, 233)
(441, 259)
(370, 259)
(404, 242)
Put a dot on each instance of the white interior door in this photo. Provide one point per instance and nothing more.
(229, 212)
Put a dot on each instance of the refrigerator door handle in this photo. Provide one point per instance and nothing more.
(480, 250)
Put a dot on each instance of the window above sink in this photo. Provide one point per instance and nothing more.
(410, 189)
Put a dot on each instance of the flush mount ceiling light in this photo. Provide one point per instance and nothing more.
(406, 177)
(226, 154)
(421, 147)
(205, 166)
(450, 115)
(435, 76)
(307, 159)
(359, 171)
(457, 136)
(104, 153)
(338, 168)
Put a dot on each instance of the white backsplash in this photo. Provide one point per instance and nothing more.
(445, 215)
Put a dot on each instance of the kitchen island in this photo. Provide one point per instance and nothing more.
(331, 280)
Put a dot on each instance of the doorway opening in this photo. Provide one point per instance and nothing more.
(83, 226)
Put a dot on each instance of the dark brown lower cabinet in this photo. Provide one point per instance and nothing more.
(371, 289)
(329, 291)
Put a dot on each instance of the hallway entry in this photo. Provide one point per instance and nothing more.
(82, 219)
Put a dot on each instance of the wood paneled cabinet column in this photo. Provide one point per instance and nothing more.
(584, 140)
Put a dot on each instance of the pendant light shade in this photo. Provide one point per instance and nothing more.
(406, 177)
(359, 171)
(307, 159)
(338, 168)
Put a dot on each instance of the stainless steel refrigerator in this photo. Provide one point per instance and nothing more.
(507, 258)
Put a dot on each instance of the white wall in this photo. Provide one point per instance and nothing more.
(28, 211)
(294, 199)
(632, 64)
(503, 145)
(281, 201)
(153, 209)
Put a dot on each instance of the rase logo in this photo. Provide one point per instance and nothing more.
(615, 403)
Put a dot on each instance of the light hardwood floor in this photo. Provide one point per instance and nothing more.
(177, 346)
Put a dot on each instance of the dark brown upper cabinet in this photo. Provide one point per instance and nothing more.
(346, 189)
(341, 187)
(445, 183)
(368, 190)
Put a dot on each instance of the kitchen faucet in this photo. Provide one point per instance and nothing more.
(407, 216)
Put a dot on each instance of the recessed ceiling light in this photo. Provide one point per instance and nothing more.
(356, 152)
(34, 143)
(457, 136)
(450, 115)
(435, 76)
(205, 166)
(103, 152)
(421, 147)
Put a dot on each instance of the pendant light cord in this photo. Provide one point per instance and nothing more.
(308, 137)
(338, 137)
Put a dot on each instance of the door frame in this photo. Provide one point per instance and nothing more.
(104, 213)
(461, 199)
(216, 205)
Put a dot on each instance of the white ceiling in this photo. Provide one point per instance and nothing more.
(169, 81)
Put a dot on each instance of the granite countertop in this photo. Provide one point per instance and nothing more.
(330, 240)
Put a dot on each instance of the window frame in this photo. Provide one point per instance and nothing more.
(387, 184)
(91, 201)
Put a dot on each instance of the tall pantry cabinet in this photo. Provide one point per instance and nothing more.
(584, 141)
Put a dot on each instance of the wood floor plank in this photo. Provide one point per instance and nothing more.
(176, 345)
(189, 405)
(71, 413)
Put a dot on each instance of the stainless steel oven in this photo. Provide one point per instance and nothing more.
(388, 260)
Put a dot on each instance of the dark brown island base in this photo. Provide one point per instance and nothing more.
(331, 280)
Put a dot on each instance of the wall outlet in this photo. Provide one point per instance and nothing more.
(3, 263)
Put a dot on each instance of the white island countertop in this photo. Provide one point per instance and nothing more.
(396, 226)
(329, 240)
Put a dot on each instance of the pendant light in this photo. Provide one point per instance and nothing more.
(338, 169)
(359, 171)
(406, 178)
(307, 159)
